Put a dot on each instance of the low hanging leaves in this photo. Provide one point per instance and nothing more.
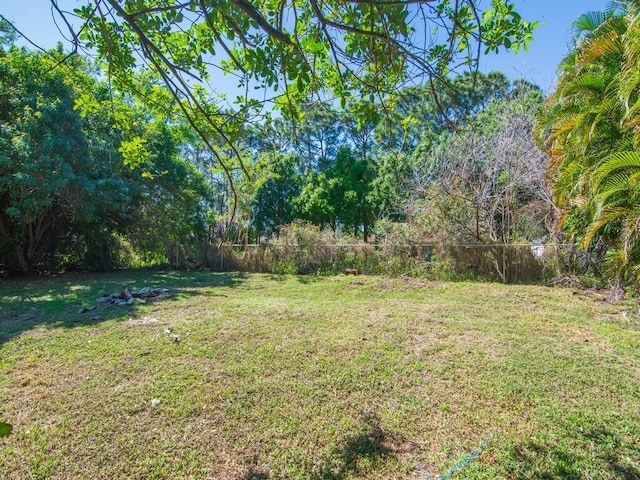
(134, 153)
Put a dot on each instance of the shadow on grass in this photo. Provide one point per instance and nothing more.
(304, 279)
(549, 462)
(370, 447)
(360, 453)
(610, 453)
(55, 301)
(308, 279)
(254, 475)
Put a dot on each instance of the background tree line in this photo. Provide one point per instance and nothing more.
(92, 178)
(89, 171)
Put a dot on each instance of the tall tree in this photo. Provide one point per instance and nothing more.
(297, 49)
(43, 159)
(590, 130)
(485, 183)
(352, 185)
(82, 167)
(416, 112)
(317, 137)
(273, 205)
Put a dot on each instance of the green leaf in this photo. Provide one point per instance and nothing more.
(13, 212)
(317, 47)
(134, 153)
(5, 429)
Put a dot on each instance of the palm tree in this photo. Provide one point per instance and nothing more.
(591, 130)
(616, 206)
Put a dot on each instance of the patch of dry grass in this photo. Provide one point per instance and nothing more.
(285, 377)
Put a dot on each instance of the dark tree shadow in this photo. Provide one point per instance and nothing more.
(302, 278)
(278, 277)
(374, 444)
(252, 472)
(254, 475)
(59, 301)
(308, 279)
(612, 456)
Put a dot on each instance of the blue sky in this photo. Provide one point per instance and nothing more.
(33, 17)
(551, 40)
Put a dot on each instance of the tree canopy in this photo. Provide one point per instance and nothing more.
(67, 194)
(298, 51)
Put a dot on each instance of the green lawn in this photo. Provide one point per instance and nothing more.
(316, 378)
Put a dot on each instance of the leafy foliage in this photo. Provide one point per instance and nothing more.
(589, 130)
(161, 166)
(272, 207)
(484, 184)
(69, 192)
(301, 51)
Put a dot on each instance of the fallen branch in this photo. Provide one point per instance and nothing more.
(128, 297)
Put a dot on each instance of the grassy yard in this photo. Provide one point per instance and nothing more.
(268, 377)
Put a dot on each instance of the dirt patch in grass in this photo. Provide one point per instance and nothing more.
(12, 325)
(145, 321)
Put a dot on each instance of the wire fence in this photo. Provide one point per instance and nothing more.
(514, 263)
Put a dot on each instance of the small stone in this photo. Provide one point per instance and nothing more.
(155, 403)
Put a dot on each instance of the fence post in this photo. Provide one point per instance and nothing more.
(504, 264)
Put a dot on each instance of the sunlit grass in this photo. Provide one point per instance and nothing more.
(324, 378)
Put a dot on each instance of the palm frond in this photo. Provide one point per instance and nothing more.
(615, 185)
(598, 47)
(586, 24)
(617, 7)
(591, 83)
(603, 218)
(614, 162)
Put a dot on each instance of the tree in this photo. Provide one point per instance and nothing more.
(7, 33)
(299, 50)
(317, 137)
(71, 184)
(416, 112)
(485, 183)
(174, 199)
(41, 150)
(352, 187)
(360, 120)
(339, 197)
(273, 204)
(590, 129)
(616, 205)
(317, 201)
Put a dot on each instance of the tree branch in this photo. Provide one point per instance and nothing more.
(255, 15)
